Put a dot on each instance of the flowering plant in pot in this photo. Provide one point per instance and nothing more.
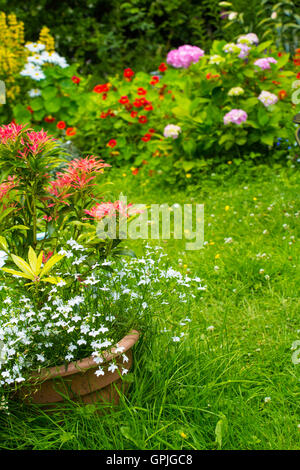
(52, 313)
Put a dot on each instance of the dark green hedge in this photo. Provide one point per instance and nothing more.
(107, 35)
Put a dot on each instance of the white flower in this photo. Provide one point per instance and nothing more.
(236, 91)
(176, 339)
(210, 328)
(267, 399)
(99, 371)
(171, 130)
(34, 92)
(112, 368)
(216, 59)
(35, 47)
(232, 15)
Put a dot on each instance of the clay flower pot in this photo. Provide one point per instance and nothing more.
(78, 381)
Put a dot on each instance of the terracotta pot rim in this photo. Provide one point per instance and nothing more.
(88, 362)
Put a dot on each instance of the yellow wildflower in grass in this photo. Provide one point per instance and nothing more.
(183, 435)
(227, 208)
(217, 256)
(188, 175)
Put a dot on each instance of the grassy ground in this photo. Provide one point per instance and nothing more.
(209, 390)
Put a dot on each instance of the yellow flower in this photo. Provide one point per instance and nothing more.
(188, 175)
(254, 199)
(229, 163)
(124, 174)
(217, 256)
(227, 208)
(183, 435)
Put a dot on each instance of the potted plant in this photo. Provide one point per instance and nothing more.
(60, 334)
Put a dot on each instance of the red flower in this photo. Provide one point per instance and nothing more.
(30, 109)
(101, 88)
(141, 91)
(282, 94)
(148, 107)
(128, 73)
(70, 131)
(112, 143)
(46, 257)
(154, 80)
(146, 137)
(133, 114)
(135, 171)
(124, 100)
(297, 62)
(275, 82)
(298, 75)
(104, 96)
(152, 131)
(61, 125)
(143, 119)
(280, 54)
(49, 119)
(138, 103)
(162, 67)
(103, 115)
(75, 79)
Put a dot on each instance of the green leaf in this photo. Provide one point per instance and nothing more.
(50, 263)
(49, 93)
(221, 430)
(21, 263)
(124, 252)
(16, 273)
(52, 106)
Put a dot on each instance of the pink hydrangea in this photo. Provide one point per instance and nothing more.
(265, 62)
(267, 98)
(184, 56)
(244, 50)
(235, 116)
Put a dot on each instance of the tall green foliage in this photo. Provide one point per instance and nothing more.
(107, 35)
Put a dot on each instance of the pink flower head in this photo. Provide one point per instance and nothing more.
(235, 116)
(10, 132)
(78, 175)
(36, 141)
(112, 209)
(184, 56)
(267, 98)
(244, 50)
(6, 186)
(265, 62)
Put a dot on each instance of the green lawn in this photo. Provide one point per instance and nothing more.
(180, 391)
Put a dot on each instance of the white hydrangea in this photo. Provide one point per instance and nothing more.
(216, 59)
(236, 91)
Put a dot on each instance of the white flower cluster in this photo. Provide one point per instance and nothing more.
(33, 67)
(216, 59)
(236, 91)
(81, 314)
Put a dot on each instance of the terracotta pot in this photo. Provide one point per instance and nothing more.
(78, 381)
